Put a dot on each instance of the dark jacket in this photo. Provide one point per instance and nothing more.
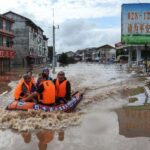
(68, 90)
(38, 83)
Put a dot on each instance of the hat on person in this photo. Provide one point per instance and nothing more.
(61, 73)
(46, 69)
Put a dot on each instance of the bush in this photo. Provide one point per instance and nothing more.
(65, 60)
(132, 99)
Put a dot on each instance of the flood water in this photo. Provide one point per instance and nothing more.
(14, 75)
(99, 123)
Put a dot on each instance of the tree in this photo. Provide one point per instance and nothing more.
(65, 60)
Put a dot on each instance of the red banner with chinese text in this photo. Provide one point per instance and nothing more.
(7, 54)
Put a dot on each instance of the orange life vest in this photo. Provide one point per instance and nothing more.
(60, 88)
(18, 89)
(32, 80)
(48, 95)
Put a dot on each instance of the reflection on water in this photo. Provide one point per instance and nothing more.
(44, 137)
(134, 123)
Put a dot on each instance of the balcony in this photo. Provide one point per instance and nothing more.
(6, 48)
(6, 33)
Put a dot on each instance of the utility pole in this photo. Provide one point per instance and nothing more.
(54, 53)
(146, 53)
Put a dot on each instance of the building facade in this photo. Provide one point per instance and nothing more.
(70, 54)
(7, 51)
(28, 41)
(103, 54)
(136, 53)
(45, 49)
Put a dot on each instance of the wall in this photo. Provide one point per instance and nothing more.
(21, 40)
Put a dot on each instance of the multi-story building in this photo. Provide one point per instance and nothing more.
(28, 41)
(104, 54)
(6, 43)
(45, 48)
(85, 54)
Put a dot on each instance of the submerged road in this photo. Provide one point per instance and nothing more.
(103, 124)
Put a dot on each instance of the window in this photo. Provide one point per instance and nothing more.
(1, 40)
(8, 25)
(9, 42)
(40, 40)
(1, 23)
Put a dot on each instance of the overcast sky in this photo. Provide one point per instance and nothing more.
(83, 23)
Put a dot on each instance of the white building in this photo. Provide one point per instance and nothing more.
(104, 54)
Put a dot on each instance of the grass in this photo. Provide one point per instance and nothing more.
(132, 99)
(134, 91)
(143, 107)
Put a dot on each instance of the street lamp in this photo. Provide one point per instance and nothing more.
(54, 54)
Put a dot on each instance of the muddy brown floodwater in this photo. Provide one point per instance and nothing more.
(134, 123)
(99, 123)
(14, 75)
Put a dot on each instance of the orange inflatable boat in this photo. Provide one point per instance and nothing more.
(69, 106)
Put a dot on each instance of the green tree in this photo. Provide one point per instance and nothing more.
(63, 59)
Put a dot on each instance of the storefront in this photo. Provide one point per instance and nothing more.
(34, 60)
(7, 52)
(5, 60)
(135, 32)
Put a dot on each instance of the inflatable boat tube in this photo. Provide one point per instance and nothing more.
(69, 106)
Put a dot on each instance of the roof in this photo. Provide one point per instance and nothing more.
(70, 52)
(29, 20)
(45, 38)
(106, 46)
(7, 18)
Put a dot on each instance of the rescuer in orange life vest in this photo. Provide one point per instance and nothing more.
(63, 88)
(24, 88)
(32, 78)
(45, 91)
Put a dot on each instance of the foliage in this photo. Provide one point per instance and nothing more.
(141, 107)
(65, 60)
(132, 99)
(133, 91)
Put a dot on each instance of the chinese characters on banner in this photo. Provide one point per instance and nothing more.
(135, 25)
(7, 54)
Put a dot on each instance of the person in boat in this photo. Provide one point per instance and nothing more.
(32, 78)
(46, 71)
(47, 74)
(63, 88)
(45, 91)
(24, 88)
